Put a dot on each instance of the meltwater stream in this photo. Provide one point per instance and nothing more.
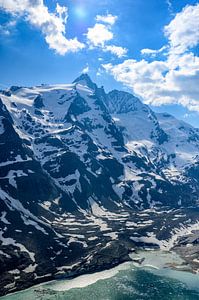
(154, 279)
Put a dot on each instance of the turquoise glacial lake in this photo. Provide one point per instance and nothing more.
(154, 279)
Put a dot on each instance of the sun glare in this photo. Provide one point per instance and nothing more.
(80, 12)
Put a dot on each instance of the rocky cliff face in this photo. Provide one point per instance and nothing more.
(77, 169)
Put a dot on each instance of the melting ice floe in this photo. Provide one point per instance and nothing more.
(85, 280)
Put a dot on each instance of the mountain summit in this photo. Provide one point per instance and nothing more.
(85, 80)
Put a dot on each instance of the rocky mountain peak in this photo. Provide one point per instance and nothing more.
(123, 102)
(84, 79)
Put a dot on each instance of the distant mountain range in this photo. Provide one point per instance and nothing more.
(83, 172)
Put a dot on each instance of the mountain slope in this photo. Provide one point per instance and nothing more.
(171, 145)
(83, 171)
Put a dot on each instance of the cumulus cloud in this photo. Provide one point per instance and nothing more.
(109, 19)
(183, 30)
(144, 78)
(118, 51)
(174, 79)
(52, 25)
(157, 83)
(100, 34)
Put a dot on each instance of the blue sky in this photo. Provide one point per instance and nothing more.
(121, 44)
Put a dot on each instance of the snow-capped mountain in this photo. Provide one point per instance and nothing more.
(171, 145)
(77, 169)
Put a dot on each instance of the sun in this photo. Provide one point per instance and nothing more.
(80, 12)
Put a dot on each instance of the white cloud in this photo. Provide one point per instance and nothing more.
(118, 51)
(16, 6)
(170, 6)
(98, 73)
(157, 84)
(174, 79)
(61, 10)
(98, 35)
(7, 28)
(4, 30)
(52, 25)
(153, 52)
(145, 79)
(109, 19)
(183, 30)
(85, 70)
